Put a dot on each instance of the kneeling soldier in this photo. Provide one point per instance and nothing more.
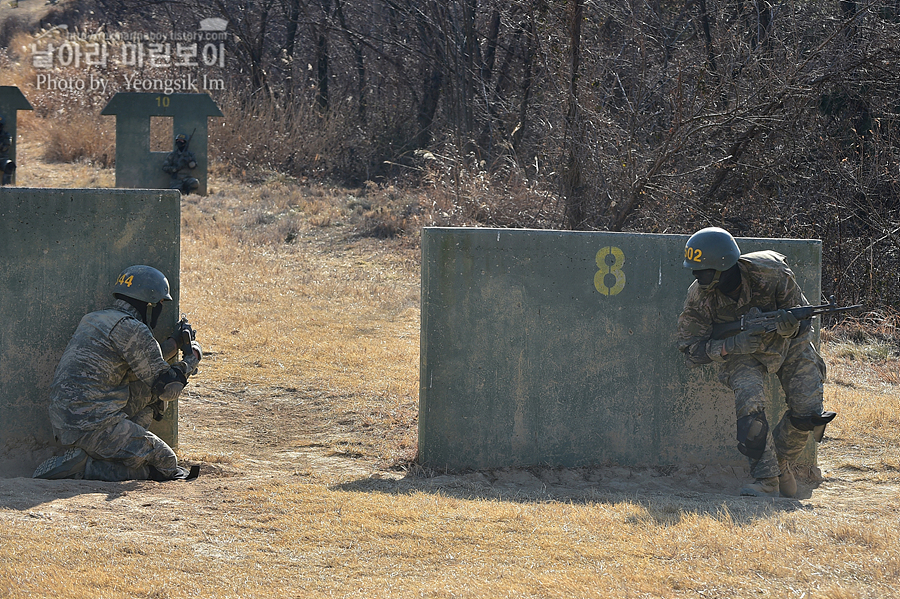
(111, 380)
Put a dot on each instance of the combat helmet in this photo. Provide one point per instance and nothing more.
(711, 248)
(181, 139)
(143, 283)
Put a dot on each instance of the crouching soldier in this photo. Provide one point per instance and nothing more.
(728, 285)
(179, 164)
(7, 166)
(111, 380)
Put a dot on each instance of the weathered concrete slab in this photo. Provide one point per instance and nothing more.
(136, 165)
(558, 348)
(60, 252)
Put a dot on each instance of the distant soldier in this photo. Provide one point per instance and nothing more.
(728, 284)
(113, 380)
(179, 164)
(7, 166)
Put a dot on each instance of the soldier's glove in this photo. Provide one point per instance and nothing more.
(191, 356)
(742, 343)
(197, 350)
(159, 409)
(192, 164)
(786, 324)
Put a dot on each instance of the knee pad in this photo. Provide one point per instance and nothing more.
(752, 432)
(815, 423)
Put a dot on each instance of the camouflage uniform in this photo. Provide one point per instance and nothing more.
(101, 396)
(7, 166)
(179, 163)
(768, 284)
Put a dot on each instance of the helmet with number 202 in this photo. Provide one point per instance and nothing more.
(143, 283)
(713, 248)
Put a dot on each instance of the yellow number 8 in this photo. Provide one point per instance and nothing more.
(614, 269)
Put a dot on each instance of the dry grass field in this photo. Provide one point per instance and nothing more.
(303, 419)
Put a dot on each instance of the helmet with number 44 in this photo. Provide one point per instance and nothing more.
(143, 283)
(711, 248)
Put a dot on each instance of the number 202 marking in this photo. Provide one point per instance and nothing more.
(692, 255)
(615, 269)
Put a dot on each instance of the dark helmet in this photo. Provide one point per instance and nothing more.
(181, 140)
(711, 248)
(143, 283)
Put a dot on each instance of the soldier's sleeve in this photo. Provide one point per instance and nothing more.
(694, 331)
(167, 166)
(139, 349)
(788, 292)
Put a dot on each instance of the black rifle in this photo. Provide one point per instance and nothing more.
(187, 144)
(758, 322)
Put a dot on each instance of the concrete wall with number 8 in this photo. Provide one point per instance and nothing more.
(60, 252)
(558, 348)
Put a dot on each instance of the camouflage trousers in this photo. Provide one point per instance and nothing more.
(125, 449)
(802, 377)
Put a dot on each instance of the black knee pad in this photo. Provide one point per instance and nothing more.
(808, 423)
(752, 431)
(815, 423)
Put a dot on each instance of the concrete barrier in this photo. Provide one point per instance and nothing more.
(60, 252)
(558, 348)
(136, 165)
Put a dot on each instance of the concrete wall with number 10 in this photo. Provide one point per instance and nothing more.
(558, 348)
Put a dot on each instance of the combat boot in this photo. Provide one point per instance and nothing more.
(787, 484)
(69, 465)
(761, 487)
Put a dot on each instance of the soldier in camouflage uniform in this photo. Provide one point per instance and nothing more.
(179, 163)
(7, 166)
(111, 379)
(727, 286)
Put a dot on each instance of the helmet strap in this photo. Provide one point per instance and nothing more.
(712, 284)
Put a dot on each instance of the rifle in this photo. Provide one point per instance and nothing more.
(184, 334)
(187, 144)
(764, 322)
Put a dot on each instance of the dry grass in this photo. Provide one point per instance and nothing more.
(284, 297)
(295, 539)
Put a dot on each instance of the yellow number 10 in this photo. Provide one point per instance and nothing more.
(609, 261)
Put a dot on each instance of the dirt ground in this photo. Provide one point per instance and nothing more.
(242, 437)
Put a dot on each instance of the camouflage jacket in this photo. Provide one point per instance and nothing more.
(110, 350)
(5, 143)
(178, 161)
(767, 283)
